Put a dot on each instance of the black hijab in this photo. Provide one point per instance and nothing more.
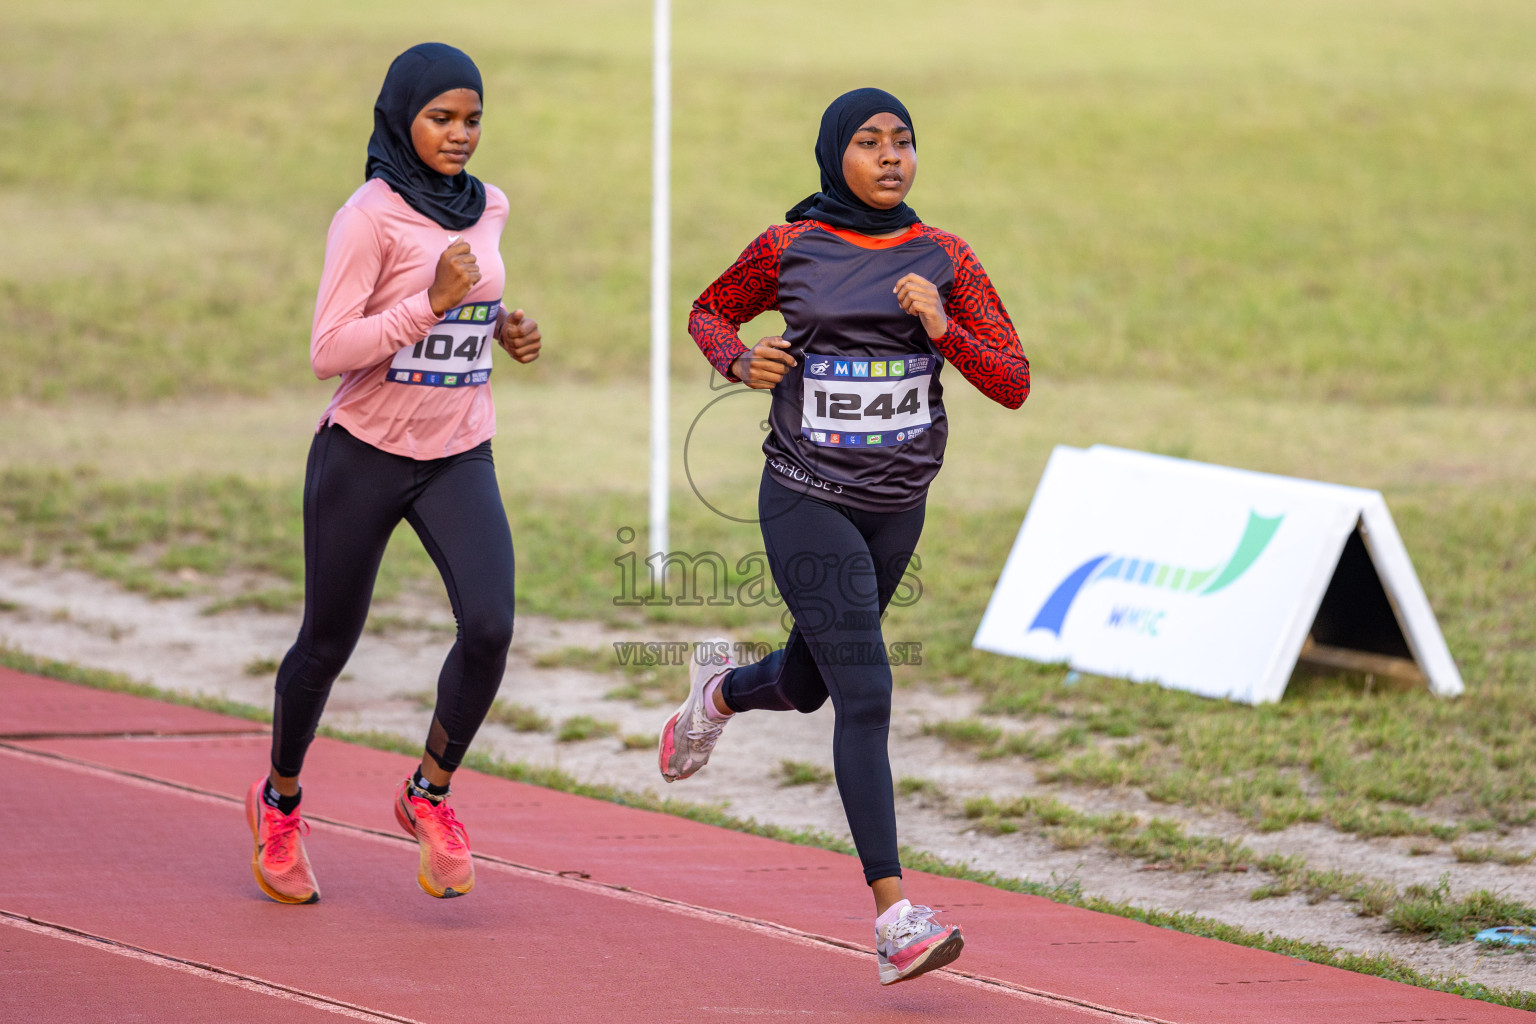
(416, 77)
(836, 204)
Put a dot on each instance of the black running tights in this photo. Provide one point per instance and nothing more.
(837, 568)
(354, 497)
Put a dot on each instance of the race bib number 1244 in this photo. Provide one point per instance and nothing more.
(865, 403)
(456, 353)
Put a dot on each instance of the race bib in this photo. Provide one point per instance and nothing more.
(865, 403)
(455, 354)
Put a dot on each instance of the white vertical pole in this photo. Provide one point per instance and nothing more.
(661, 247)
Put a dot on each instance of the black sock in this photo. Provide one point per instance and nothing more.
(431, 792)
(286, 804)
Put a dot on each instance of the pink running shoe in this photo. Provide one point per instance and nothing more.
(690, 734)
(280, 864)
(446, 869)
(915, 944)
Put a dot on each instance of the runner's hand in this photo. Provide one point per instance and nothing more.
(765, 365)
(457, 273)
(919, 297)
(519, 335)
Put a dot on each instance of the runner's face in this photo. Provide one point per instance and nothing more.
(447, 131)
(880, 162)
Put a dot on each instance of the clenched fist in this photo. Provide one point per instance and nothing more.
(519, 335)
(918, 296)
(457, 272)
(765, 365)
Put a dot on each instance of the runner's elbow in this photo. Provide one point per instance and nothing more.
(1012, 399)
(324, 364)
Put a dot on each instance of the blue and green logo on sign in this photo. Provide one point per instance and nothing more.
(1160, 575)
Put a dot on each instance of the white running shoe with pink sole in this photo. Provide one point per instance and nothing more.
(690, 734)
(915, 944)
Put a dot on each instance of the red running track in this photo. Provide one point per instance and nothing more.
(135, 895)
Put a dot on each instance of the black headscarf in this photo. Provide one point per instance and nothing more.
(416, 77)
(836, 204)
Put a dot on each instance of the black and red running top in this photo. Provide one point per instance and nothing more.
(860, 419)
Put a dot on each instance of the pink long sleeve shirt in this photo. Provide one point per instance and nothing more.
(412, 382)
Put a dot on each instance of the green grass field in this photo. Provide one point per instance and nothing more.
(1297, 238)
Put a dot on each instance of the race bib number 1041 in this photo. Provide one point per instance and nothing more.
(457, 352)
(865, 403)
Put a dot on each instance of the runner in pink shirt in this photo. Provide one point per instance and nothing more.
(409, 305)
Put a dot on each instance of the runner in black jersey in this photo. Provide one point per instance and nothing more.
(875, 304)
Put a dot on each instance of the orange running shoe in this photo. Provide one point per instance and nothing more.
(280, 864)
(446, 869)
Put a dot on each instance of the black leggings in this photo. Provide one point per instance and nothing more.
(354, 497)
(837, 568)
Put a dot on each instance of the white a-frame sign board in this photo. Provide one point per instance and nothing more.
(1210, 579)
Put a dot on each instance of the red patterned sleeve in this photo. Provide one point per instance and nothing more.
(981, 342)
(748, 288)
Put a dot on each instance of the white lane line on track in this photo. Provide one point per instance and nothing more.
(32, 737)
(610, 890)
(202, 971)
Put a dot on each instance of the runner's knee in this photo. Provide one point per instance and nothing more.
(314, 663)
(487, 633)
(806, 698)
(866, 708)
